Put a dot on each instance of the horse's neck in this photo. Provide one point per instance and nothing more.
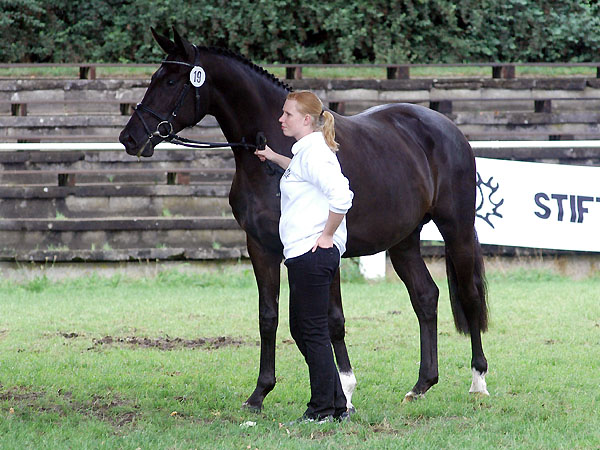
(245, 103)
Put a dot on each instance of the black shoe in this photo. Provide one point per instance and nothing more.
(343, 417)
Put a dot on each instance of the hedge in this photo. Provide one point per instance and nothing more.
(284, 31)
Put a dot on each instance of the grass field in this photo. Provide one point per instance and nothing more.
(166, 362)
(310, 72)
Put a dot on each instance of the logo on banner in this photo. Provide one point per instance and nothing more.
(487, 207)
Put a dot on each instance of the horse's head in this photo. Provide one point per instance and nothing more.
(175, 99)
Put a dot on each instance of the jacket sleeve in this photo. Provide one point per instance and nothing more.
(323, 170)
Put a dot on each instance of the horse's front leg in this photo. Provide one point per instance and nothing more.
(337, 333)
(266, 270)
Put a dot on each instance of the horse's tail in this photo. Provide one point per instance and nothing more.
(460, 304)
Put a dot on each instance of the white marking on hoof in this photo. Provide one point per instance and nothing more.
(478, 386)
(348, 381)
(411, 396)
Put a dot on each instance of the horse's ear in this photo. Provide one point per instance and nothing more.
(183, 46)
(165, 43)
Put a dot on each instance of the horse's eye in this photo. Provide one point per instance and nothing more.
(170, 82)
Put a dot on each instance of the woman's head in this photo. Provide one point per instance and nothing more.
(308, 104)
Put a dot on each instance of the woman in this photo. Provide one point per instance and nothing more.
(315, 197)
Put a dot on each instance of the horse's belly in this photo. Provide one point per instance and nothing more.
(374, 233)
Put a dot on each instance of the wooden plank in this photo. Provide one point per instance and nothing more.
(34, 101)
(125, 224)
(211, 189)
(91, 146)
(207, 170)
(125, 255)
(455, 93)
(571, 118)
(502, 134)
(69, 177)
(568, 155)
(478, 64)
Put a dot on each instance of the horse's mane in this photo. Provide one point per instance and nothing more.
(236, 56)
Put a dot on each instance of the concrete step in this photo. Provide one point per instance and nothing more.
(43, 158)
(119, 224)
(87, 128)
(32, 239)
(130, 254)
(111, 201)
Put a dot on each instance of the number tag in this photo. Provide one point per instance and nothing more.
(197, 76)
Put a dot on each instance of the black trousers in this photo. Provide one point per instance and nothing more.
(310, 276)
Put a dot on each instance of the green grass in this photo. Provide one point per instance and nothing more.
(63, 384)
(440, 72)
(309, 72)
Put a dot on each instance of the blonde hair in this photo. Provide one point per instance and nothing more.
(309, 103)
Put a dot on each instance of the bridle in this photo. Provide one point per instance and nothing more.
(164, 128)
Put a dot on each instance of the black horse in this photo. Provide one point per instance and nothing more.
(406, 164)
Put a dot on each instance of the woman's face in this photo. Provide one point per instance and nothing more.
(293, 122)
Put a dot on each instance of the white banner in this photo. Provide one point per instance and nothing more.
(535, 205)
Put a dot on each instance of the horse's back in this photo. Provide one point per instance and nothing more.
(411, 120)
(399, 158)
(404, 133)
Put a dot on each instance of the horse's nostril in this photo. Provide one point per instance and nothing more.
(129, 143)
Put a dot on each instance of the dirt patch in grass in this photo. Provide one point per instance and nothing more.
(114, 410)
(318, 435)
(168, 343)
(20, 394)
(383, 427)
(69, 335)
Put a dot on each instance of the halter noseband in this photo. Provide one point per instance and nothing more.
(166, 121)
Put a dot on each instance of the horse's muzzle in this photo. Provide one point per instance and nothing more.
(135, 149)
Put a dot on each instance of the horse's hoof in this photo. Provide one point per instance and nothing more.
(411, 396)
(252, 408)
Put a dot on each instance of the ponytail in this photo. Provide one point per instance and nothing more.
(328, 128)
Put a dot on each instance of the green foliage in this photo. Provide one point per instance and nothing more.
(24, 17)
(285, 31)
(525, 30)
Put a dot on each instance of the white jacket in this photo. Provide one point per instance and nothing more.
(311, 186)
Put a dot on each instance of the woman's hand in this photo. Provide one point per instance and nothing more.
(269, 154)
(332, 224)
(323, 242)
(265, 154)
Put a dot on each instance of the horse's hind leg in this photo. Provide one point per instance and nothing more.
(337, 333)
(466, 280)
(410, 267)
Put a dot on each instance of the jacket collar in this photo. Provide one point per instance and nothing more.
(307, 141)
